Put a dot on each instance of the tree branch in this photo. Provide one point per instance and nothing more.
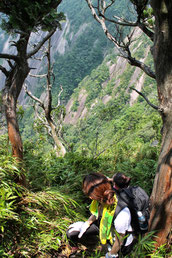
(59, 95)
(146, 31)
(29, 93)
(10, 64)
(134, 62)
(38, 75)
(8, 56)
(42, 119)
(123, 22)
(122, 47)
(4, 70)
(149, 103)
(40, 44)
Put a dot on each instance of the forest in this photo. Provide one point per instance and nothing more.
(85, 87)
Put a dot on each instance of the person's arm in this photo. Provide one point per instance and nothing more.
(117, 244)
(86, 225)
(91, 219)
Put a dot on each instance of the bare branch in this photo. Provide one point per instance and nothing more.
(102, 22)
(38, 75)
(10, 64)
(29, 93)
(49, 86)
(8, 56)
(149, 103)
(122, 47)
(146, 31)
(121, 21)
(95, 157)
(4, 70)
(41, 43)
(59, 95)
(21, 32)
(42, 119)
(37, 58)
(134, 62)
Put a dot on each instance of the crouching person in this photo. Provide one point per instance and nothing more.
(85, 233)
(114, 217)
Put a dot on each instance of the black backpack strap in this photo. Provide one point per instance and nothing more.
(126, 196)
(120, 205)
(128, 192)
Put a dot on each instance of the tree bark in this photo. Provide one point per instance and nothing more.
(12, 125)
(60, 149)
(13, 85)
(161, 214)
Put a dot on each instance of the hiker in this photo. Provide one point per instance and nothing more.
(120, 181)
(115, 219)
(136, 199)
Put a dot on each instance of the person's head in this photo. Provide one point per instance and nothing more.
(97, 187)
(119, 180)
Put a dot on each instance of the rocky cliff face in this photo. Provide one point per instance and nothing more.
(63, 42)
(59, 45)
(117, 69)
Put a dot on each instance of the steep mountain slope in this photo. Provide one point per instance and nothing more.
(75, 50)
(101, 95)
(112, 78)
(104, 111)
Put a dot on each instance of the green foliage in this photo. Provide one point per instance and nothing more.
(149, 16)
(114, 137)
(72, 67)
(20, 112)
(31, 222)
(128, 137)
(26, 16)
(146, 247)
(75, 106)
(47, 170)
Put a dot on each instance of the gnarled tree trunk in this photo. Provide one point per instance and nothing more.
(161, 214)
(13, 85)
(60, 149)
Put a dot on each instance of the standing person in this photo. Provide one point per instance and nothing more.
(115, 220)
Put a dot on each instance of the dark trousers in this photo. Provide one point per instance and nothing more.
(90, 237)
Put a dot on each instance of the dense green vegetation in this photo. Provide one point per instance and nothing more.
(114, 136)
(84, 51)
(34, 220)
(128, 136)
(31, 221)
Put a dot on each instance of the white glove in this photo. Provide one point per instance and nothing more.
(83, 229)
(109, 255)
(75, 226)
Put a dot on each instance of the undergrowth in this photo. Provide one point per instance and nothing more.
(34, 219)
(32, 222)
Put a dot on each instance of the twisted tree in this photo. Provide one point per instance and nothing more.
(49, 116)
(21, 18)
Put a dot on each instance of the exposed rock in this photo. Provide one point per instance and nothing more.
(136, 81)
(106, 98)
(118, 68)
(72, 117)
(79, 32)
